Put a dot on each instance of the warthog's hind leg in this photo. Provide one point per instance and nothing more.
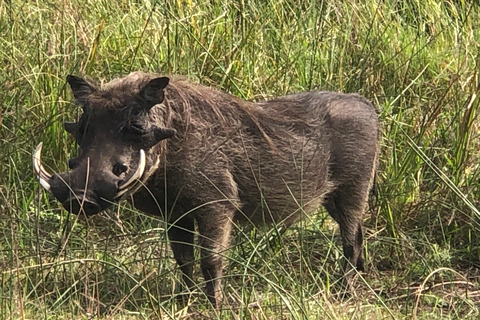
(346, 206)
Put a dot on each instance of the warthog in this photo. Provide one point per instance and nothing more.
(195, 155)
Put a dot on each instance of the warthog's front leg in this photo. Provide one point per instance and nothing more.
(214, 237)
(181, 240)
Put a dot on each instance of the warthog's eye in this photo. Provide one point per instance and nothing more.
(136, 128)
(119, 168)
(136, 131)
(136, 112)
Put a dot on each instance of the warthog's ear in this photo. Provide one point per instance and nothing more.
(152, 93)
(81, 89)
(70, 127)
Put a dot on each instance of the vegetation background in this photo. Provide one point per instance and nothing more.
(417, 60)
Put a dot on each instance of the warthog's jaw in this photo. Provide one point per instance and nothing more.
(46, 178)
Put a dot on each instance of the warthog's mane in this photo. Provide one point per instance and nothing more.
(197, 105)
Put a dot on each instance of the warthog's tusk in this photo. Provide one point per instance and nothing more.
(40, 171)
(124, 187)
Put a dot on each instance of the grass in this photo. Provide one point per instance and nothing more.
(417, 60)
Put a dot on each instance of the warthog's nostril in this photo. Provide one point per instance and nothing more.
(86, 206)
(119, 168)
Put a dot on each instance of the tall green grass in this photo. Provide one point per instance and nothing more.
(418, 61)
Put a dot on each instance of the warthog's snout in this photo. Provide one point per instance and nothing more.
(89, 201)
(79, 192)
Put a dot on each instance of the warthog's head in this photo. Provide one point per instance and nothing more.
(118, 132)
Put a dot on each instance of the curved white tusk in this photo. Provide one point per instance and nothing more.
(40, 171)
(137, 175)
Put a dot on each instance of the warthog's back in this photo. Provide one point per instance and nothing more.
(270, 160)
(320, 140)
